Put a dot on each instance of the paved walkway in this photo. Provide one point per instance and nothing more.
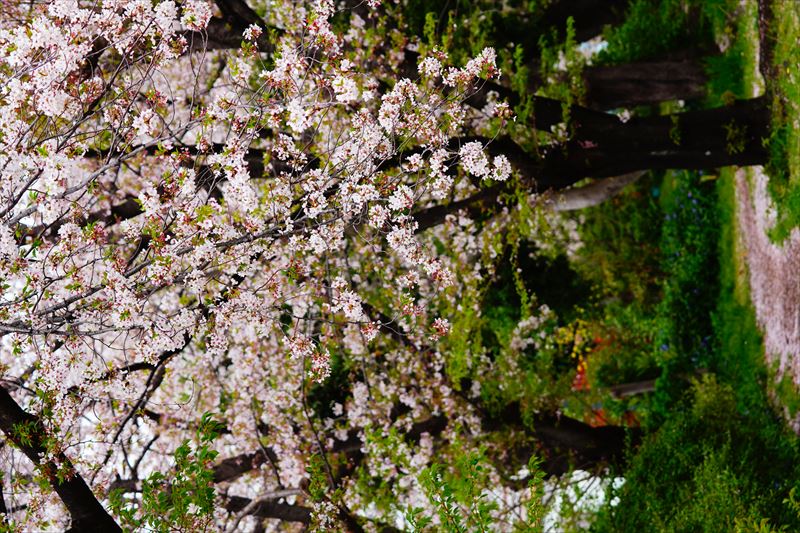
(774, 273)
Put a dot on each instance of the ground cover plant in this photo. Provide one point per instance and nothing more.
(382, 266)
(784, 144)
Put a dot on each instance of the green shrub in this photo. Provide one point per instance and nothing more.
(709, 466)
(651, 29)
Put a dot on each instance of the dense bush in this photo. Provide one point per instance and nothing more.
(709, 468)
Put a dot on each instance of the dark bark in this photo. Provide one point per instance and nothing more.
(569, 443)
(526, 27)
(563, 442)
(646, 82)
(547, 112)
(227, 32)
(706, 139)
(475, 206)
(224, 34)
(604, 146)
(618, 86)
(589, 16)
(349, 521)
(231, 468)
(270, 509)
(767, 36)
(92, 60)
(28, 433)
(225, 471)
(238, 12)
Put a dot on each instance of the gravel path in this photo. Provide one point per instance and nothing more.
(774, 274)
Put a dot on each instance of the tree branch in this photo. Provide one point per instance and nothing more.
(28, 433)
(595, 193)
(226, 33)
(269, 509)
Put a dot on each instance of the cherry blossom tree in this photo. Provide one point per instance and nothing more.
(209, 209)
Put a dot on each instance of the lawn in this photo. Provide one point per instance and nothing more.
(784, 92)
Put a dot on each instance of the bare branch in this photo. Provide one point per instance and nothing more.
(595, 193)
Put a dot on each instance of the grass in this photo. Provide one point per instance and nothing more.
(653, 28)
(688, 243)
(740, 353)
(733, 73)
(784, 142)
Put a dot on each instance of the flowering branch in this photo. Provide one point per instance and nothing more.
(27, 433)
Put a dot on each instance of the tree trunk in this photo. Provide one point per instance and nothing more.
(632, 389)
(698, 140)
(647, 82)
(767, 41)
(622, 86)
(602, 145)
(595, 193)
(269, 509)
(28, 433)
(569, 443)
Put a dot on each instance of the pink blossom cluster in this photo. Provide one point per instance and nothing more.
(189, 225)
